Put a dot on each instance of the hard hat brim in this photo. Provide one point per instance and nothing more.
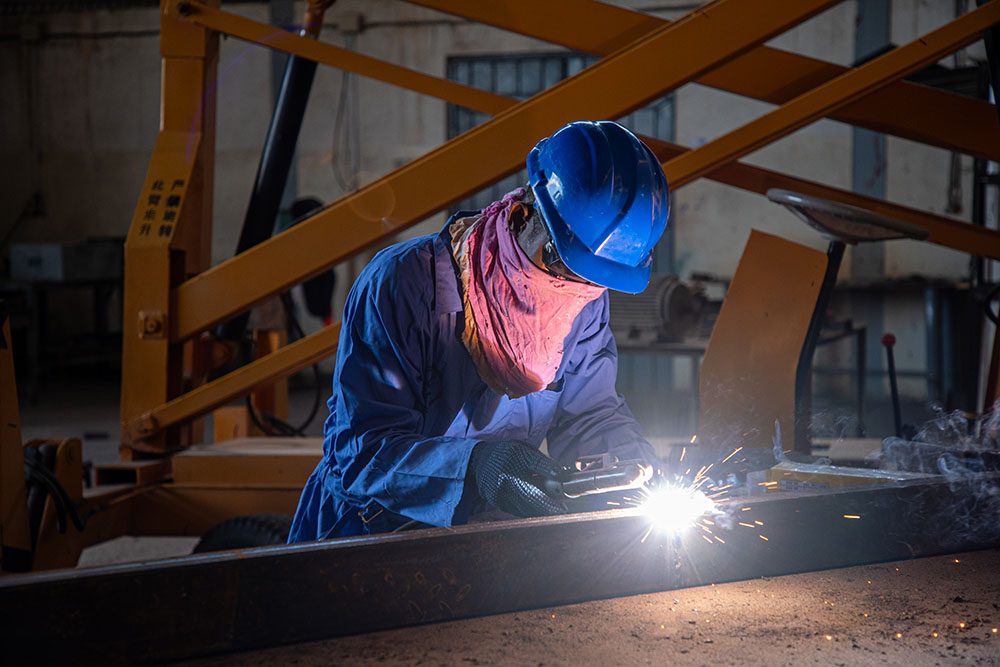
(580, 259)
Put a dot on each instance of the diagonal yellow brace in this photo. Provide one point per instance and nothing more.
(328, 54)
(841, 91)
(935, 105)
(376, 212)
(929, 110)
(944, 231)
(290, 359)
(281, 363)
(955, 234)
(904, 109)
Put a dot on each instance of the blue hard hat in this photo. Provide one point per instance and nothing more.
(604, 199)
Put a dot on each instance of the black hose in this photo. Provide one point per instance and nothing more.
(272, 425)
(64, 504)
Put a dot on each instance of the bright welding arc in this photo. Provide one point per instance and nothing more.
(674, 508)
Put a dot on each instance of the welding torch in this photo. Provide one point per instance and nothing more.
(602, 473)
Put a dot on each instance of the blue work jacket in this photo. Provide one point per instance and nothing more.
(408, 405)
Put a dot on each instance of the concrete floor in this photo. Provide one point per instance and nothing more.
(932, 611)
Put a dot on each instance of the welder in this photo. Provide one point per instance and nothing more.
(461, 351)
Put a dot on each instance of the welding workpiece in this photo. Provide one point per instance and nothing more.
(601, 473)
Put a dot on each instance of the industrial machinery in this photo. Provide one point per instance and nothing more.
(167, 483)
(667, 311)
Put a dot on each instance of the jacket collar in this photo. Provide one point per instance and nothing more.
(447, 297)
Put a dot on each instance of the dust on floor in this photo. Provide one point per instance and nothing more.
(930, 611)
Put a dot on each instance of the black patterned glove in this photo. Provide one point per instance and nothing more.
(511, 475)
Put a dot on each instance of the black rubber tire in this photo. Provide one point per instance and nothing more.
(251, 530)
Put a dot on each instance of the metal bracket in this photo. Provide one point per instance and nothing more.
(152, 324)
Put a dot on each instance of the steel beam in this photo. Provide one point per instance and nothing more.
(952, 121)
(281, 363)
(945, 231)
(935, 107)
(279, 595)
(376, 212)
(835, 94)
(908, 110)
(170, 234)
(351, 61)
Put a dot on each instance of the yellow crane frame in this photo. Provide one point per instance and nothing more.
(172, 297)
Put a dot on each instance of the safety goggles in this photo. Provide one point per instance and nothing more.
(547, 257)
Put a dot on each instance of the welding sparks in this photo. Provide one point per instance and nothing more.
(853, 516)
(675, 508)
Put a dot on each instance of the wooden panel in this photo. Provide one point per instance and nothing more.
(270, 462)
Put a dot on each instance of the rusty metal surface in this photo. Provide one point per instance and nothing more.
(279, 595)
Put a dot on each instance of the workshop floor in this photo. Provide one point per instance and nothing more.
(930, 611)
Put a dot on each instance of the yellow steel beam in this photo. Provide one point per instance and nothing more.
(200, 401)
(171, 228)
(290, 359)
(944, 231)
(935, 106)
(328, 54)
(908, 110)
(408, 194)
(816, 103)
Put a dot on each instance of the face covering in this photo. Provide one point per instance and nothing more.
(516, 315)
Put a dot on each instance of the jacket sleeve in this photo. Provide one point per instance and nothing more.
(592, 417)
(385, 352)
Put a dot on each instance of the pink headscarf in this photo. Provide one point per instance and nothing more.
(516, 315)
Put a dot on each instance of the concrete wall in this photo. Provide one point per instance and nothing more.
(80, 114)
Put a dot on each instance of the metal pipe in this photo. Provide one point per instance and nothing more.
(803, 375)
(888, 340)
(276, 157)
